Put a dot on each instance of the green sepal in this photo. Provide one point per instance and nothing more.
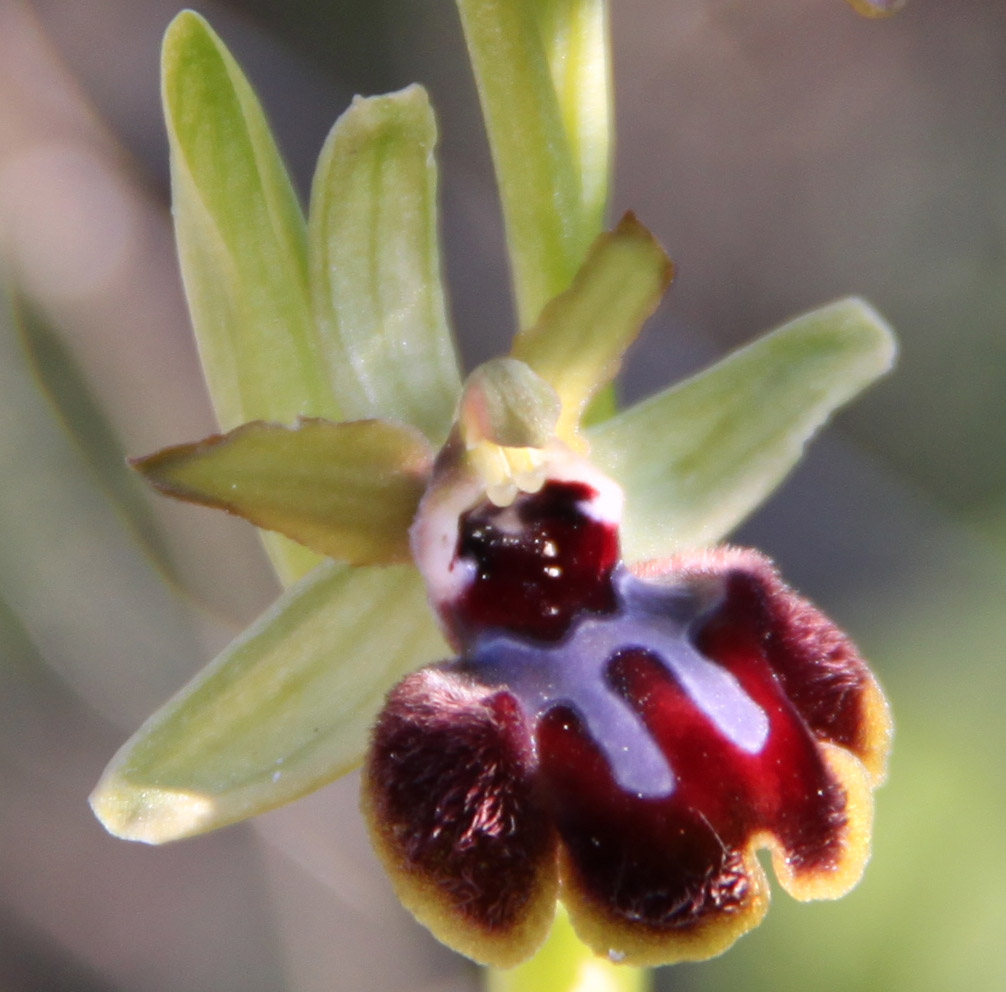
(242, 245)
(347, 490)
(578, 341)
(699, 457)
(542, 72)
(375, 265)
(283, 710)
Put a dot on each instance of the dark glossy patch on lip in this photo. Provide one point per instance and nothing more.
(785, 790)
(671, 863)
(451, 786)
(653, 863)
(535, 579)
(818, 666)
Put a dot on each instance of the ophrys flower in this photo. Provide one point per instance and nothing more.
(627, 714)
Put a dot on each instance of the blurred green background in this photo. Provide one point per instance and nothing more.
(786, 152)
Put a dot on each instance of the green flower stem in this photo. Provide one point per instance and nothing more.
(541, 67)
(565, 965)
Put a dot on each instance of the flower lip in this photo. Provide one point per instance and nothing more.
(657, 621)
(673, 718)
(455, 812)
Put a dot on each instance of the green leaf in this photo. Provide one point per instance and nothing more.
(505, 403)
(375, 265)
(283, 710)
(578, 342)
(347, 490)
(89, 596)
(242, 247)
(72, 399)
(541, 67)
(696, 459)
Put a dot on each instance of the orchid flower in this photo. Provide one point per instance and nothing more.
(561, 683)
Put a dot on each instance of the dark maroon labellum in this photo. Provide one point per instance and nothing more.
(643, 730)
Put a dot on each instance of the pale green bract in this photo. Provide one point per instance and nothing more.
(232, 197)
(284, 322)
(242, 245)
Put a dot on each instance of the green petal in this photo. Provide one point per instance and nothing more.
(347, 490)
(578, 342)
(697, 459)
(375, 265)
(505, 403)
(542, 72)
(283, 710)
(242, 247)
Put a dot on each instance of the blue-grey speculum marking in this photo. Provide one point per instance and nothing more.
(650, 617)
